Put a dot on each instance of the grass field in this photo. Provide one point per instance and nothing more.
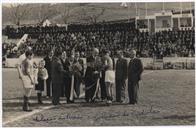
(167, 97)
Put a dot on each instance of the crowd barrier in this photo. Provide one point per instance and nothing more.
(11, 62)
(168, 62)
(179, 62)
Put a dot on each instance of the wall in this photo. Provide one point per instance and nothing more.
(13, 61)
(146, 61)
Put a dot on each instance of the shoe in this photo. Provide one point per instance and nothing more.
(92, 101)
(55, 103)
(87, 100)
(39, 97)
(120, 101)
(103, 99)
(70, 101)
(109, 102)
(124, 102)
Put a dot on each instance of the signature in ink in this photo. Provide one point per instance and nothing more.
(41, 117)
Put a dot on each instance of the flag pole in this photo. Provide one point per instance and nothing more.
(181, 8)
(146, 9)
(136, 13)
(163, 6)
(190, 7)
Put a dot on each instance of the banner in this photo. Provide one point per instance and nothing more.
(21, 41)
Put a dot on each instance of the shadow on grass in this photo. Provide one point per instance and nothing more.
(13, 105)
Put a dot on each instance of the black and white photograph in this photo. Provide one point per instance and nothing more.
(81, 64)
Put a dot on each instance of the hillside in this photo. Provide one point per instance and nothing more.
(82, 12)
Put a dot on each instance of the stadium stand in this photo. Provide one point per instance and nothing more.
(121, 37)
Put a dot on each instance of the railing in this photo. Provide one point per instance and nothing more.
(148, 63)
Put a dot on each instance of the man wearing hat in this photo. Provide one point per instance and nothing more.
(135, 70)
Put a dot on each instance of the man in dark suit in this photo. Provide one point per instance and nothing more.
(57, 73)
(135, 70)
(121, 76)
(48, 61)
(63, 60)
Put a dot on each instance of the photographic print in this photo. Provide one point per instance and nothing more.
(98, 64)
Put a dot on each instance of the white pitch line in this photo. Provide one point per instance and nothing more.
(27, 115)
(40, 110)
(147, 73)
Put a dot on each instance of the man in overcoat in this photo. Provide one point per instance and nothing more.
(135, 70)
(121, 76)
(57, 75)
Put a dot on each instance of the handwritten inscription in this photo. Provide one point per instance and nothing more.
(41, 117)
(143, 112)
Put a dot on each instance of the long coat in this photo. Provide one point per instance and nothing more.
(57, 73)
(120, 78)
(135, 70)
(121, 69)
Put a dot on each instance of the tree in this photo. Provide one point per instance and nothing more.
(46, 11)
(94, 17)
(19, 12)
(91, 14)
(66, 12)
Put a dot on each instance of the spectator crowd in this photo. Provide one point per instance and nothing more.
(112, 37)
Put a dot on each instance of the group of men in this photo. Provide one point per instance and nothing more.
(100, 73)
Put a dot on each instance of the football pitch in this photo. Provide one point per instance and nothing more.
(166, 97)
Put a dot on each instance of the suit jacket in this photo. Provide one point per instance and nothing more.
(48, 63)
(93, 65)
(57, 71)
(81, 62)
(90, 67)
(66, 66)
(135, 70)
(121, 69)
